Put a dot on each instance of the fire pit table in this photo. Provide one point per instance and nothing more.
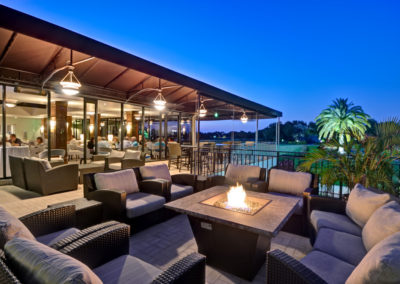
(235, 239)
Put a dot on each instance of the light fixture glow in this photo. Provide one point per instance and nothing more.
(159, 101)
(91, 128)
(42, 129)
(129, 127)
(11, 105)
(244, 117)
(110, 137)
(70, 84)
(202, 110)
(151, 122)
(81, 137)
(52, 124)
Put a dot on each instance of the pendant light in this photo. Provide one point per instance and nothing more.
(202, 110)
(159, 101)
(244, 117)
(70, 84)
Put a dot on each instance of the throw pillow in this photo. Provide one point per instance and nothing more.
(157, 171)
(293, 183)
(132, 154)
(11, 227)
(362, 203)
(124, 180)
(384, 222)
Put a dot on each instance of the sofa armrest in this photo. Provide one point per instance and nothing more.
(185, 179)
(329, 204)
(83, 233)
(190, 269)
(61, 178)
(256, 185)
(100, 247)
(50, 220)
(282, 268)
(216, 180)
(114, 202)
(98, 157)
(157, 186)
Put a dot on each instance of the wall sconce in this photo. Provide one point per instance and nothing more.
(129, 127)
(52, 124)
(42, 129)
(67, 124)
(110, 137)
(91, 128)
(102, 124)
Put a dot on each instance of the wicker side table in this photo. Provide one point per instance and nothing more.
(201, 183)
(88, 212)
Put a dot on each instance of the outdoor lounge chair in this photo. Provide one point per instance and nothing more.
(251, 177)
(125, 198)
(54, 226)
(357, 241)
(296, 185)
(57, 156)
(17, 171)
(131, 159)
(45, 180)
(101, 257)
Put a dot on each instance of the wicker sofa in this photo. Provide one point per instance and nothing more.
(251, 177)
(128, 199)
(101, 257)
(357, 241)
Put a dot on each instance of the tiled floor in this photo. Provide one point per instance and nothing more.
(163, 244)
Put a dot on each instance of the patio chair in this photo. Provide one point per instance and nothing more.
(54, 226)
(127, 199)
(251, 177)
(297, 185)
(42, 178)
(57, 156)
(131, 159)
(179, 185)
(101, 257)
(174, 155)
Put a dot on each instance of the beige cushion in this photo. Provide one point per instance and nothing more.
(380, 265)
(242, 173)
(384, 222)
(158, 171)
(362, 203)
(124, 180)
(132, 154)
(116, 154)
(34, 262)
(45, 163)
(11, 227)
(288, 182)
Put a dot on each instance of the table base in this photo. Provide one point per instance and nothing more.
(233, 250)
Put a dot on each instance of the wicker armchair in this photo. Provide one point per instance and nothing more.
(102, 249)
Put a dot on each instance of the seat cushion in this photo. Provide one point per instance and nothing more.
(338, 222)
(380, 265)
(141, 203)
(384, 222)
(124, 180)
(347, 247)
(241, 173)
(362, 203)
(157, 171)
(329, 268)
(299, 208)
(34, 262)
(179, 190)
(116, 154)
(288, 182)
(11, 227)
(127, 269)
(115, 166)
(52, 238)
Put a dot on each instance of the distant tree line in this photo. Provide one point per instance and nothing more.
(295, 131)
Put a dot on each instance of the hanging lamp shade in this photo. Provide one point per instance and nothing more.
(70, 84)
(244, 118)
(202, 110)
(159, 101)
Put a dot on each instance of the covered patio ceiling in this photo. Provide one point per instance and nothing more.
(31, 49)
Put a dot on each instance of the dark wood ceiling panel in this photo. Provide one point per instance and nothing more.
(5, 36)
(30, 54)
(127, 80)
(103, 72)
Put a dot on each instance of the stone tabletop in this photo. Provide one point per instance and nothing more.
(268, 221)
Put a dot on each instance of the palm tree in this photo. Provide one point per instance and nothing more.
(342, 120)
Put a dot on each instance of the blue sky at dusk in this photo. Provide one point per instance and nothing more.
(294, 56)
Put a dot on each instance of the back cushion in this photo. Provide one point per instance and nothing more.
(132, 154)
(242, 173)
(45, 163)
(288, 182)
(117, 154)
(124, 180)
(362, 203)
(157, 171)
(384, 222)
(33, 262)
(11, 227)
(380, 265)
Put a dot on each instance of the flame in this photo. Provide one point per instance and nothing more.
(237, 197)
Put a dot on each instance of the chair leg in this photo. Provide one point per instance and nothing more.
(169, 163)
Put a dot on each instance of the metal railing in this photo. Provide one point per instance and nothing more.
(210, 161)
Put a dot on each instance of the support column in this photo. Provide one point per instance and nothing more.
(3, 130)
(96, 127)
(159, 137)
(84, 131)
(179, 128)
(121, 141)
(233, 127)
(48, 125)
(193, 130)
(256, 138)
(69, 127)
(142, 130)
